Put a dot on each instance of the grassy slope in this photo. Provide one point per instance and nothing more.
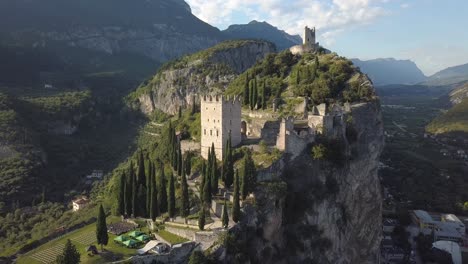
(454, 120)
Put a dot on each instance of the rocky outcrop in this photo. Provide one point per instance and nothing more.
(179, 87)
(322, 211)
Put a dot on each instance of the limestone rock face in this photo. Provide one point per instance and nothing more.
(180, 87)
(330, 211)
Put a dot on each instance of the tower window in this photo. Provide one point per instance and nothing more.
(205, 132)
(230, 122)
(208, 120)
(211, 132)
(217, 134)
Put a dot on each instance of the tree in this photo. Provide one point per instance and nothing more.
(246, 90)
(214, 171)
(198, 257)
(201, 217)
(141, 178)
(228, 164)
(245, 175)
(171, 200)
(185, 205)
(120, 209)
(70, 254)
(149, 188)
(128, 190)
(154, 208)
(255, 95)
(162, 191)
(225, 216)
(101, 228)
(134, 191)
(248, 176)
(180, 113)
(188, 163)
(236, 203)
(179, 160)
(263, 103)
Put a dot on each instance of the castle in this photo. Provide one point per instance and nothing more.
(308, 44)
(220, 118)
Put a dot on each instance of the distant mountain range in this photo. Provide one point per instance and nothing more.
(391, 71)
(265, 31)
(451, 75)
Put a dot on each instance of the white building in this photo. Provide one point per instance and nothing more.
(79, 203)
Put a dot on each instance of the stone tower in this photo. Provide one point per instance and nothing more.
(220, 117)
(309, 37)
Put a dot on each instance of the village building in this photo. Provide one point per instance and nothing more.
(80, 203)
(447, 227)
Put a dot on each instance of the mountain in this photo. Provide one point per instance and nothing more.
(451, 75)
(177, 84)
(156, 29)
(455, 119)
(391, 71)
(262, 30)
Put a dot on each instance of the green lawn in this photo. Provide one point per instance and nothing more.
(80, 238)
(171, 238)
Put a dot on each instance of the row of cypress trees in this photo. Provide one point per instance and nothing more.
(251, 94)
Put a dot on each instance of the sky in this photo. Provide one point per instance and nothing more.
(432, 33)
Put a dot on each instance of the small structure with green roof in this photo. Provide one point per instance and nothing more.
(135, 234)
(143, 238)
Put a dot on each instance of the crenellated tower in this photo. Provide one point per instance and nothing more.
(220, 118)
(309, 37)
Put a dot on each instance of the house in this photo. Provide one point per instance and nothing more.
(446, 227)
(96, 175)
(80, 203)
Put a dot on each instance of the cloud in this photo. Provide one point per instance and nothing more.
(330, 17)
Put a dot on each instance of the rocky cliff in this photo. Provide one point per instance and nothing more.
(178, 84)
(322, 211)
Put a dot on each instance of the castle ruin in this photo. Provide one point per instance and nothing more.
(220, 118)
(308, 44)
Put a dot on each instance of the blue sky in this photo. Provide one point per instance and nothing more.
(432, 33)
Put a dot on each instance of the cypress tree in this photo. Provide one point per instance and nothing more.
(162, 191)
(141, 177)
(236, 203)
(263, 104)
(251, 92)
(203, 174)
(188, 164)
(214, 171)
(185, 206)
(134, 192)
(180, 113)
(149, 188)
(255, 95)
(70, 254)
(171, 200)
(201, 217)
(141, 201)
(225, 216)
(228, 166)
(246, 90)
(245, 176)
(154, 208)
(101, 228)
(120, 210)
(128, 191)
(179, 160)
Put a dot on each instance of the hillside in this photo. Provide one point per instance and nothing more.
(455, 119)
(451, 75)
(390, 71)
(178, 84)
(323, 78)
(262, 30)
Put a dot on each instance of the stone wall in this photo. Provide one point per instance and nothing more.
(217, 208)
(189, 145)
(271, 173)
(207, 238)
(182, 232)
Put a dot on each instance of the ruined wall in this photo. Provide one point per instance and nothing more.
(313, 221)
